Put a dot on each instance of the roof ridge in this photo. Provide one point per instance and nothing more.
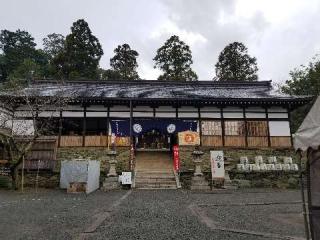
(266, 83)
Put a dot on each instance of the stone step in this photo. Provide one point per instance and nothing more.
(156, 186)
(154, 175)
(155, 181)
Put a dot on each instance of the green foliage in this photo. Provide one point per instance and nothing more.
(124, 63)
(53, 45)
(81, 54)
(16, 46)
(108, 74)
(304, 81)
(27, 70)
(174, 58)
(235, 64)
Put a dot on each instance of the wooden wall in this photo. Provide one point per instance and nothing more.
(92, 141)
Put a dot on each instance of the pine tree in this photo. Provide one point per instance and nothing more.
(124, 63)
(174, 58)
(81, 54)
(235, 64)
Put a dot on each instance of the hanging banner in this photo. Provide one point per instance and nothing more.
(189, 138)
(217, 164)
(176, 159)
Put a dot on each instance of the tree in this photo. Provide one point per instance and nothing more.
(27, 70)
(174, 58)
(2, 68)
(16, 47)
(236, 64)
(18, 136)
(124, 63)
(53, 45)
(108, 74)
(304, 81)
(81, 54)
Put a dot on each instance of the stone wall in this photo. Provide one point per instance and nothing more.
(95, 153)
(231, 154)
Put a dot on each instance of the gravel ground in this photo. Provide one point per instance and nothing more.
(148, 214)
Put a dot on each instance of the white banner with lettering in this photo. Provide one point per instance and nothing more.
(217, 164)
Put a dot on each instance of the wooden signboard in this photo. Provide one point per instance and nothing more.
(189, 138)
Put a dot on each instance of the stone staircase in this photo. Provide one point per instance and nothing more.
(154, 170)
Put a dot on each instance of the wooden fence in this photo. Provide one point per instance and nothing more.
(92, 141)
(209, 141)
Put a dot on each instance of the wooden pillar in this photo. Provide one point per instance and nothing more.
(290, 125)
(131, 159)
(131, 121)
(84, 126)
(200, 125)
(245, 126)
(60, 128)
(268, 128)
(222, 126)
(108, 123)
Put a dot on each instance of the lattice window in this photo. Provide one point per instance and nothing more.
(257, 128)
(234, 128)
(211, 128)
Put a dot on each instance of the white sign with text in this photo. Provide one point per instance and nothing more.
(217, 164)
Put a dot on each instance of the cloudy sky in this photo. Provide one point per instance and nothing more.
(282, 34)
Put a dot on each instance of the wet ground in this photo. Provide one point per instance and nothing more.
(147, 214)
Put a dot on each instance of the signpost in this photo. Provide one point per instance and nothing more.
(189, 138)
(176, 159)
(217, 165)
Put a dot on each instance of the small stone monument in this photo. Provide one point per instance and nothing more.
(111, 181)
(198, 181)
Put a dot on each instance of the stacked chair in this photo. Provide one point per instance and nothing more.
(272, 164)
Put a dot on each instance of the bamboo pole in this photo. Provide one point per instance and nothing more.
(304, 207)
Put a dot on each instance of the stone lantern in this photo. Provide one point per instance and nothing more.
(198, 181)
(111, 181)
(197, 159)
(112, 161)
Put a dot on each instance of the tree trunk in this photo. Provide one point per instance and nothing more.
(15, 177)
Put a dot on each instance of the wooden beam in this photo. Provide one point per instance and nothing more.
(60, 128)
(108, 122)
(222, 126)
(290, 125)
(268, 128)
(84, 126)
(131, 120)
(245, 126)
(200, 124)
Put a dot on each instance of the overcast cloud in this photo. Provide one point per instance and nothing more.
(282, 34)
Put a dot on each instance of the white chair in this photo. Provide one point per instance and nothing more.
(294, 167)
(244, 160)
(246, 167)
(240, 167)
(278, 166)
(270, 167)
(251, 167)
(287, 160)
(286, 167)
(256, 167)
(272, 159)
(258, 159)
(263, 167)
